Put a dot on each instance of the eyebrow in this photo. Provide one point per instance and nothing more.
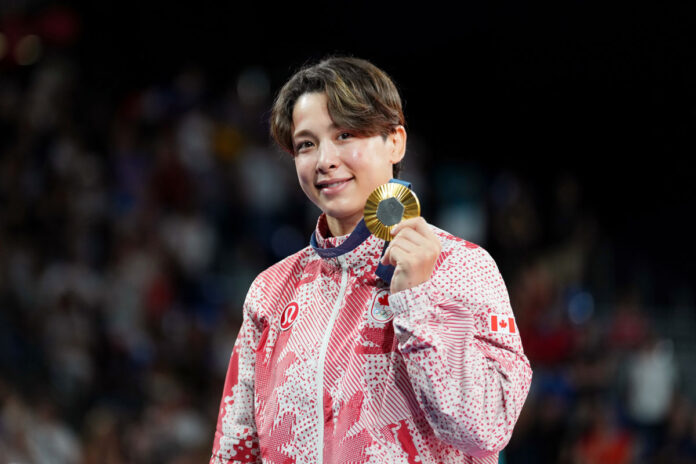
(309, 133)
(303, 133)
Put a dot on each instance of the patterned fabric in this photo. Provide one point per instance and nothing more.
(330, 367)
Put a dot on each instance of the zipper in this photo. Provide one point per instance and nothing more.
(322, 356)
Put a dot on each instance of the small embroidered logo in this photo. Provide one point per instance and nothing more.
(380, 310)
(289, 316)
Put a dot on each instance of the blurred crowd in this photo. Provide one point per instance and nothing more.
(132, 226)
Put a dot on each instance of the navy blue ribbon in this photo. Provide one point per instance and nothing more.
(359, 235)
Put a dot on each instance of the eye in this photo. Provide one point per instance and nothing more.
(344, 135)
(303, 146)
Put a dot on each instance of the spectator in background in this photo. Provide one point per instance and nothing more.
(605, 440)
(652, 377)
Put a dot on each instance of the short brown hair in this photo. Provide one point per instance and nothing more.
(361, 97)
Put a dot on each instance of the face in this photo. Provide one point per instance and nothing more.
(338, 169)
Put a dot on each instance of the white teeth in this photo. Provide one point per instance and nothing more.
(334, 184)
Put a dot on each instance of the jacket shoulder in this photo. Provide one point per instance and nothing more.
(284, 269)
(468, 270)
(460, 248)
(276, 280)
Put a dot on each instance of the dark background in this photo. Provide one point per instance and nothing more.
(561, 132)
(604, 91)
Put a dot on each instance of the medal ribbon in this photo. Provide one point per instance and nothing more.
(359, 235)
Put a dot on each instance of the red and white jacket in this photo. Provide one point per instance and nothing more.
(329, 367)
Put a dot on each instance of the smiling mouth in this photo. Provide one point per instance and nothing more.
(332, 184)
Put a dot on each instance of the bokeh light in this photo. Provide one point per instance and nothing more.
(253, 86)
(3, 46)
(28, 50)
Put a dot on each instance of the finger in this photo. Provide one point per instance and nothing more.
(409, 238)
(394, 254)
(419, 246)
(398, 256)
(416, 223)
(386, 257)
(402, 225)
(424, 228)
(412, 236)
(427, 232)
(424, 238)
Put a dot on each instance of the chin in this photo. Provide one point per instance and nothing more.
(342, 211)
(343, 214)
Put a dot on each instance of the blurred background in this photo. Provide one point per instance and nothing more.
(140, 195)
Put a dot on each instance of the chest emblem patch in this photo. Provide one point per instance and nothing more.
(289, 315)
(380, 310)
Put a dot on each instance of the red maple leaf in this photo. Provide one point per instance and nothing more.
(403, 435)
(502, 324)
(384, 300)
(281, 435)
(342, 447)
(382, 340)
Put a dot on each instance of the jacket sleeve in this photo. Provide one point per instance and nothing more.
(236, 440)
(463, 352)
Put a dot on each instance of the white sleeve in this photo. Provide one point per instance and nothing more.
(463, 351)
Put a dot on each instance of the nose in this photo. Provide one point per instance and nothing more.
(328, 157)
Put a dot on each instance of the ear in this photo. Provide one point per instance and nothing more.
(397, 138)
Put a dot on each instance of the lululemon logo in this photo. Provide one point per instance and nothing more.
(289, 316)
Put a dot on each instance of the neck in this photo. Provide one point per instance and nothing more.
(342, 226)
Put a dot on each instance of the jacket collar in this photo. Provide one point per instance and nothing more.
(359, 249)
(327, 246)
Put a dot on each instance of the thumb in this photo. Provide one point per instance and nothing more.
(386, 258)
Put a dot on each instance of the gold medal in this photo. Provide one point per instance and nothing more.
(388, 205)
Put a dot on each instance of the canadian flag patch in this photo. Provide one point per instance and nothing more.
(499, 323)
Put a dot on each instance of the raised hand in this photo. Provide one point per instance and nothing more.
(413, 252)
